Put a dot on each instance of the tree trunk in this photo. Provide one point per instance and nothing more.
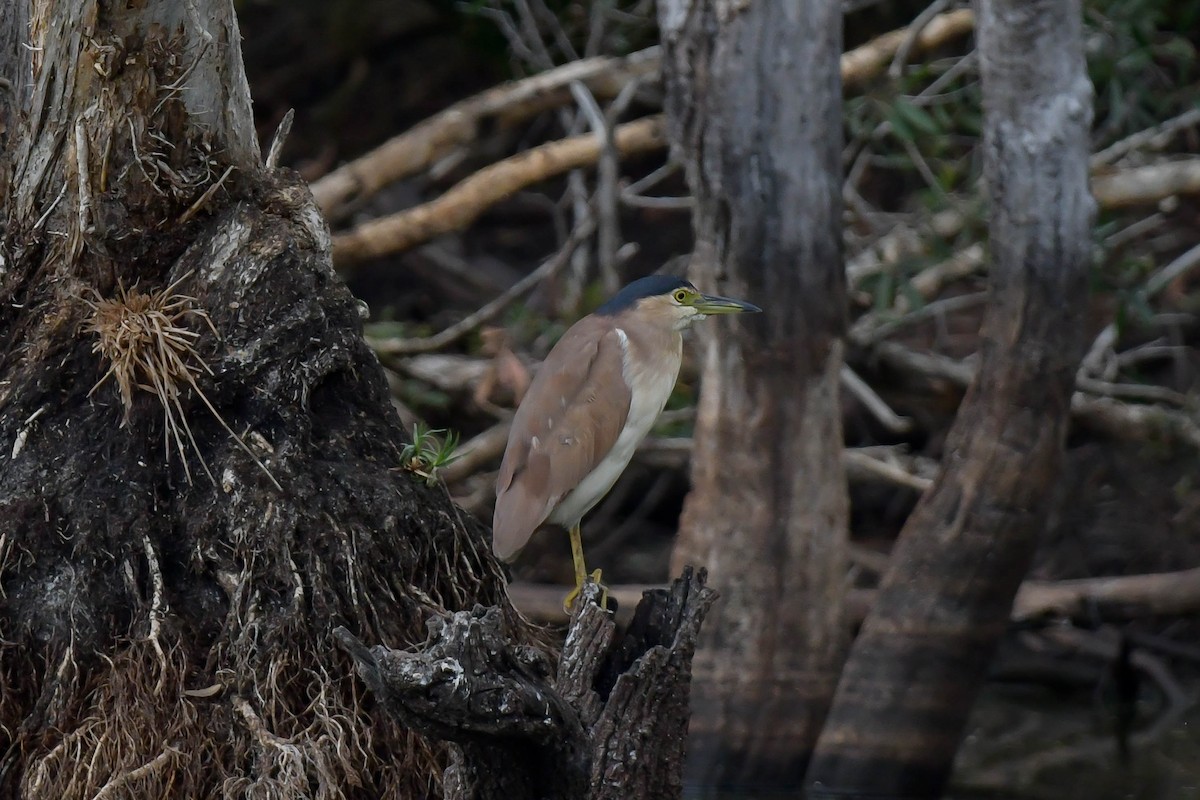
(921, 658)
(754, 103)
(167, 635)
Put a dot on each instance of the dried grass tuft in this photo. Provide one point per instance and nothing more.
(145, 338)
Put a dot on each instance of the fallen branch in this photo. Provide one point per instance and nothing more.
(1101, 356)
(1146, 185)
(902, 241)
(432, 140)
(1135, 422)
(1119, 188)
(915, 28)
(1024, 771)
(862, 467)
(473, 454)
(1111, 598)
(449, 372)
(612, 723)
(1156, 136)
(1122, 421)
(873, 403)
(863, 63)
(928, 282)
(463, 203)
(1125, 596)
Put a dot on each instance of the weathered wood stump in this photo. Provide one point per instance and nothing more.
(611, 722)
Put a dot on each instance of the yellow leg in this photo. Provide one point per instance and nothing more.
(577, 555)
(581, 573)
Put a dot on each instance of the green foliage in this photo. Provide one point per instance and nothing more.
(422, 397)
(913, 138)
(427, 453)
(909, 120)
(527, 325)
(1141, 61)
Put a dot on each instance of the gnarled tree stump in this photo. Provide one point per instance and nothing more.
(611, 724)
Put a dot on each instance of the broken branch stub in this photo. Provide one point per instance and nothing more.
(612, 723)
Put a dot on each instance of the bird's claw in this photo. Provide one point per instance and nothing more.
(571, 598)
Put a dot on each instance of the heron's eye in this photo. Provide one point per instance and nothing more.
(681, 295)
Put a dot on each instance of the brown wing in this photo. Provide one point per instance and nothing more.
(567, 422)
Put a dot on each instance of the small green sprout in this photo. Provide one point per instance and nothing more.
(427, 453)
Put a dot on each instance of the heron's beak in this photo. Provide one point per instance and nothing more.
(711, 305)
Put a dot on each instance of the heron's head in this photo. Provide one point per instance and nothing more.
(670, 301)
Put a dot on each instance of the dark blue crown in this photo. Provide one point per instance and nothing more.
(650, 286)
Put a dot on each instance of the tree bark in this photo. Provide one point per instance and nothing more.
(754, 106)
(166, 635)
(611, 726)
(921, 657)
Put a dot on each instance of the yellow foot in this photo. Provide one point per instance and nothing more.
(569, 600)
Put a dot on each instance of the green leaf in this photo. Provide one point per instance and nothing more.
(915, 301)
(916, 117)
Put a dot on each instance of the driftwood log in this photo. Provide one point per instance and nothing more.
(609, 724)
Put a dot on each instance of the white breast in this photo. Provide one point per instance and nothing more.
(653, 380)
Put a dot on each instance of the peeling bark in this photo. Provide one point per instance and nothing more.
(754, 105)
(915, 669)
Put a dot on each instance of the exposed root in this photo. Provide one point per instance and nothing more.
(157, 610)
(121, 781)
(121, 743)
(148, 347)
(290, 731)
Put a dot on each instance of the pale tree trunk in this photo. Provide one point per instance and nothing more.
(754, 103)
(921, 658)
(165, 637)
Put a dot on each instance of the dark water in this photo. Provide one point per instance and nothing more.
(1036, 744)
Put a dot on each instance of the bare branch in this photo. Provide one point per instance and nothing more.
(874, 403)
(915, 29)
(608, 239)
(1151, 137)
(1102, 347)
(548, 269)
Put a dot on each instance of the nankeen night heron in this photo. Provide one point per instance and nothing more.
(592, 401)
